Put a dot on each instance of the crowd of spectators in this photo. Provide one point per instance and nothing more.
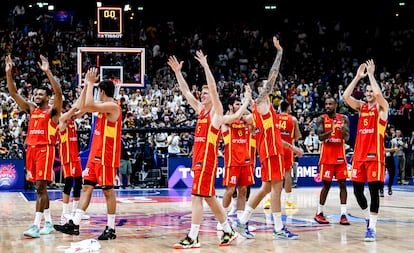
(320, 59)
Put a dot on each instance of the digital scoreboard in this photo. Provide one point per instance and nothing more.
(109, 22)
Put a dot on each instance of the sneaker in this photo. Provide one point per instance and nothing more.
(47, 229)
(243, 229)
(381, 193)
(390, 191)
(187, 243)
(107, 234)
(219, 227)
(290, 204)
(267, 204)
(227, 238)
(367, 222)
(68, 228)
(344, 220)
(285, 234)
(319, 218)
(32, 232)
(370, 235)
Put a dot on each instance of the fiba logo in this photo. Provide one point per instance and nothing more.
(8, 175)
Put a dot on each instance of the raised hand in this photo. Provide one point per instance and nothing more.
(9, 63)
(44, 65)
(175, 65)
(201, 58)
(91, 76)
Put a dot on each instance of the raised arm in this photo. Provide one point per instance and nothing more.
(21, 102)
(57, 104)
(347, 96)
(263, 98)
(384, 106)
(108, 107)
(176, 66)
(217, 118)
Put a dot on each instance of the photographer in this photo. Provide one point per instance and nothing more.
(399, 142)
(15, 152)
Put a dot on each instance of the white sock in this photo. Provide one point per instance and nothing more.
(78, 216)
(320, 208)
(343, 209)
(288, 196)
(111, 221)
(38, 219)
(195, 228)
(277, 217)
(47, 215)
(226, 226)
(239, 214)
(245, 217)
(367, 213)
(65, 208)
(373, 221)
(75, 205)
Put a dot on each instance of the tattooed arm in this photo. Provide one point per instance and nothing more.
(263, 101)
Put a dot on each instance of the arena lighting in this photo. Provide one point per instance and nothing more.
(50, 7)
(98, 4)
(127, 7)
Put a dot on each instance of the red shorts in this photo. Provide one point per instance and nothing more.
(368, 171)
(328, 171)
(39, 162)
(72, 169)
(238, 175)
(203, 183)
(272, 168)
(100, 174)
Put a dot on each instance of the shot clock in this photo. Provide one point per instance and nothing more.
(109, 23)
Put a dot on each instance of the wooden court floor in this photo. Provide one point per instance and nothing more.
(152, 220)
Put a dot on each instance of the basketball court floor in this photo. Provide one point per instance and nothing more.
(152, 220)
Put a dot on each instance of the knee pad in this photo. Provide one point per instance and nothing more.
(77, 187)
(68, 185)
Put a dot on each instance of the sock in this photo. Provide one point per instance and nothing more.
(367, 213)
(195, 228)
(47, 215)
(373, 221)
(226, 226)
(65, 208)
(75, 205)
(288, 196)
(239, 214)
(78, 216)
(277, 217)
(320, 209)
(38, 219)
(111, 221)
(245, 217)
(234, 203)
(343, 209)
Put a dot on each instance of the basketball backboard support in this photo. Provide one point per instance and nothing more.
(125, 65)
